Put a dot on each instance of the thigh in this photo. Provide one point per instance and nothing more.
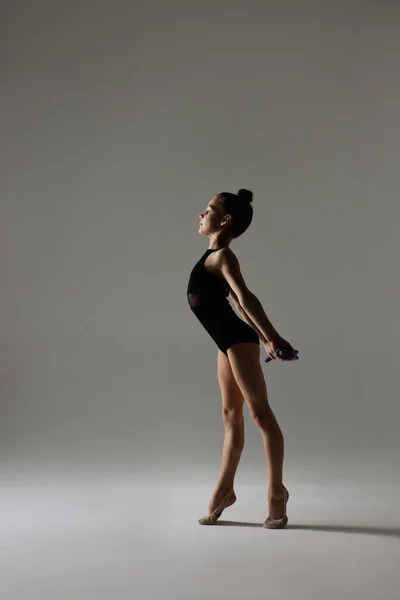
(244, 359)
(232, 397)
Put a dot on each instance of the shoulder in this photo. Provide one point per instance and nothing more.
(227, 257)
(226, 260)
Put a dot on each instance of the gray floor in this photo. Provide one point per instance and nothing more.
(120, 540)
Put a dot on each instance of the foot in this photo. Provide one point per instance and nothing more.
(219, 501)
(217, 497)
(277, 503)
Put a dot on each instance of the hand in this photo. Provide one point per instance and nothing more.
(275, 344)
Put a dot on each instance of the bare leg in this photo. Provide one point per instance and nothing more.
(232, 449)
(232, 414)
(274, 448)
(245, 362)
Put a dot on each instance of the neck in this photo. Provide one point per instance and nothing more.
(219, 242)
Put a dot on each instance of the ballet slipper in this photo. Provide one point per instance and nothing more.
(214, 516)
(271, 523)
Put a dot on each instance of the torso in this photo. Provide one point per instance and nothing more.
(207, 295)
(207, 286)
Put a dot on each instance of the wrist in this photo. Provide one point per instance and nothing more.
(273, 336)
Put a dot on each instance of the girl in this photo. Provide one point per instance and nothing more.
(215, 276)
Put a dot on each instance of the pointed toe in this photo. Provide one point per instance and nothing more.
(214, 516)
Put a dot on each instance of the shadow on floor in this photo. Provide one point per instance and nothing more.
(358, 529)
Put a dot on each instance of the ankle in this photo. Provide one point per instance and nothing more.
(223, 488)
(276, 491)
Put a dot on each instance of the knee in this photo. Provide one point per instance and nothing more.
(232, 417)
(264, 418)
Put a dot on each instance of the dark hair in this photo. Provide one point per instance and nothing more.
(239, 207)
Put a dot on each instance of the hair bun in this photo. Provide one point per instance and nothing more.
(245, 195)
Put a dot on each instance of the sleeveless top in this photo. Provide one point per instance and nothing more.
(207, 292)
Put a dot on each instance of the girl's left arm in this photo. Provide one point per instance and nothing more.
(250, 304)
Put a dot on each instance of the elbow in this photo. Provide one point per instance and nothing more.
(249, 301)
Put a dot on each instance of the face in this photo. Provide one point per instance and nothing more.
(211, 218)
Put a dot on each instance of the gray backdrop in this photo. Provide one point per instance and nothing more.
(119, 121)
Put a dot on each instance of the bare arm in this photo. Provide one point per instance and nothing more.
(246, 302)
(254, 310)
(246, 317)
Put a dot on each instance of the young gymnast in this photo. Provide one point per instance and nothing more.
(214, 277)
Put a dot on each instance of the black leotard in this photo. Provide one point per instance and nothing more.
(207, 296)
